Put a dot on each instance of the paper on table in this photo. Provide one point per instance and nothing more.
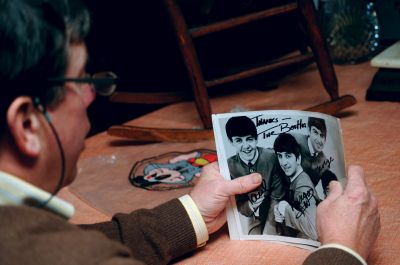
(389, 58)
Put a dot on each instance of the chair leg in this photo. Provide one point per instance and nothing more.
(319, 48)
(191, 62)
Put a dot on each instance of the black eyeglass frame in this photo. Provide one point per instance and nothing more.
(104, 83)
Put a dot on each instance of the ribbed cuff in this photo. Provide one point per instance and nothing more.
(334, 254)
(198, 223)
(348, 250)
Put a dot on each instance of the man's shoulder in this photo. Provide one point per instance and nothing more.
(32, 220)
(266, 152)
(233, 159)
(304, 180)
(321, 156)
(30, 216)
(235, 165)
(48, 233)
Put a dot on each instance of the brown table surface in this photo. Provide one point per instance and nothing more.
(371, 139)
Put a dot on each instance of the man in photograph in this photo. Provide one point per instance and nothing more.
(297, 212)
(314, 161)
(249, 158)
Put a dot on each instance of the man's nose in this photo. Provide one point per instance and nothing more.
(246, 144)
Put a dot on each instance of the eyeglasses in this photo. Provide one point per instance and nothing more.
(104, 83)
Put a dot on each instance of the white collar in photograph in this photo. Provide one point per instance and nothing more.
(253, 161)
(296, 175)
(311, 148)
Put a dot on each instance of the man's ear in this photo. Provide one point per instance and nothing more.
(24, 126)
(298, 160)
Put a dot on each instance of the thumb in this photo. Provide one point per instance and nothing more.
(243, 184)
(335, 190)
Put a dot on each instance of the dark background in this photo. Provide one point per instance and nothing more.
(135, 40)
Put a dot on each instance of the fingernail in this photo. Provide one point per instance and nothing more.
(256, 178)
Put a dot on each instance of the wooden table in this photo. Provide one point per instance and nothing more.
(371, 139)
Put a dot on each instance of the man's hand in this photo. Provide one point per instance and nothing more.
(282, 207)
(349, 217)
(279, 218)
(255, 200)
(212, 193)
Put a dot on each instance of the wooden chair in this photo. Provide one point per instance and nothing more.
(186, 40)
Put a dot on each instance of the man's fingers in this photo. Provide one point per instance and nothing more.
(211, 171)
(335, 190)
(355, 179)
(243, 184)
(214, 165)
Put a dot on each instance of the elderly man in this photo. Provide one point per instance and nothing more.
(45, 93)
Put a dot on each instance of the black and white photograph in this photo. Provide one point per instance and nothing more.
(297, 153)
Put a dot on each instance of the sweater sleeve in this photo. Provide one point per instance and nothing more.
(154, 236)
(334, 254)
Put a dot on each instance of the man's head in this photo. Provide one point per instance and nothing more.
(35, 36)
(242, 133)
(41, 41)
(317, 129)
(288, 152)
